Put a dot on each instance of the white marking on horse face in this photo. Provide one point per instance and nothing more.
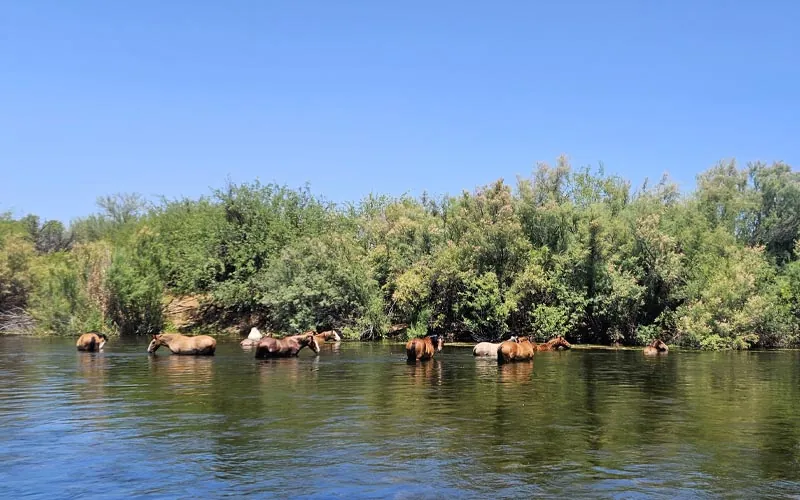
(153, 346)
(102, 343)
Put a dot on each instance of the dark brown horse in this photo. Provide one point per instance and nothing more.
(656, 347)
(555, 344)
(200, 345)
(286, 347)
(520, 350)
(419, 349)
(91, 341)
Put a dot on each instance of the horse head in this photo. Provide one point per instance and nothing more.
(155, 343)
(659, 344)
(103, 339)
(561, 343)
(438, 341)
(310, 341)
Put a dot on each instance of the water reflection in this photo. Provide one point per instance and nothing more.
(176, 369)
(291, 370)
(608, 423)
(425, 372)
(515, 373)
(92, 374)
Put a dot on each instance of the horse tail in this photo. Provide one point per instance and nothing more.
(501, 357)
(411, 350)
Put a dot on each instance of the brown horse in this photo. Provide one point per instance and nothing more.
(181, 344)
(555, 344)
(422, 348)
(656, 347)
(91, 341)
(488, 348)
(328, 336)
(520, 350)
(285, 347)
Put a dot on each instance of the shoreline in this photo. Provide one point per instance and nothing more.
(229, 337)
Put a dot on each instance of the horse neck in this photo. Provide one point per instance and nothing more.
(170, 340)
(549, 345)
(296, 344)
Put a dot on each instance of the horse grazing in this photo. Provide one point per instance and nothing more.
(656, 347)
(328, 336)
(419, 349)
(520, 350)
(182, 344)
(91, 341)
(555, 344)
(285, 347)
(488, 348)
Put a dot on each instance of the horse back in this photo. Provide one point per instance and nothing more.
(506, 351)
(419, 348)
(87, 342)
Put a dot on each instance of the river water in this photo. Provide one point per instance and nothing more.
(358, 421)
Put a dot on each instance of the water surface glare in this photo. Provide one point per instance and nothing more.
(358, 421)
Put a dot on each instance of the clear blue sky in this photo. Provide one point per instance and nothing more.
(172, 97)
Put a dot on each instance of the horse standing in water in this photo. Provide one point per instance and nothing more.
(91, 341)
(203, 345)
(329, 336)
(520, 350)
(656, 347)
(253, 338)
(555, 344)
(420, 349)
(488, 348)
(286, 347)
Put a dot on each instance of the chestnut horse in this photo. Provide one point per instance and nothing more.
(91, 341)
(328, 336)
(488, 348)
(419, 349)
(656, 347)
(286, 347)
(520, 350)
(554, 344)
(181, 344)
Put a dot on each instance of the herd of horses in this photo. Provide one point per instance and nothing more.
(266, 346)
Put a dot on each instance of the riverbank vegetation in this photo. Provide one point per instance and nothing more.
(571, 252)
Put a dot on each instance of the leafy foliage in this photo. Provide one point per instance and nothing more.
(563, 252)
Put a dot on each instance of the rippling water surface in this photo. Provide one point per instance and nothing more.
(358, 421)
